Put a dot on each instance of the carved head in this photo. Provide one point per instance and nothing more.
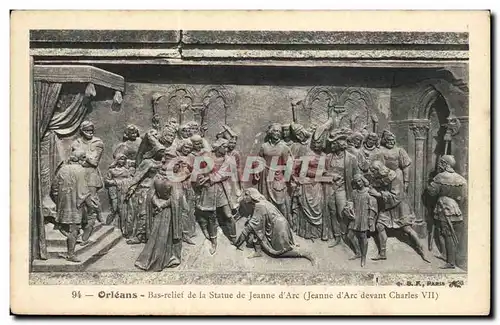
(232, 143)
(338, 140)
(355, 140)
(317, 146)
(194, 127)
(299, 132)
(87, 130)
(121, 160)
(359, 182)
(274, 131)
(131, 133)
(388, 139)
(167, 135)
(173, 122)
(185, 147)
(253, 195)
(285, 131)
(371, 140)
(378, 169)
(220, 147)
(446, 163)
(185, 131)
(197, 142)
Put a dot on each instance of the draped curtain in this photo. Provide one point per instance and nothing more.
(48, 153)
(45, 97)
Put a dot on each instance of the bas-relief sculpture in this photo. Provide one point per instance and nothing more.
(363, 193)
(357, 187)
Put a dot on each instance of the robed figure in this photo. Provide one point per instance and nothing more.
(308, 199)
(271, 181)
(270, 229)
(164, 244)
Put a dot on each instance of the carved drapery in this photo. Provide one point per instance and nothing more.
(57, 111)
(70, 110)
(45, 95)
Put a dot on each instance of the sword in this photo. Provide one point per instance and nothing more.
(431, 236)
(452, 230)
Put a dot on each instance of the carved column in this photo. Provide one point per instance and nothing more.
(420, 130)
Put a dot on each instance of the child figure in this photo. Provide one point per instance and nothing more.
(361, 212)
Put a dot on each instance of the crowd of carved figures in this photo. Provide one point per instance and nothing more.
(362, 191)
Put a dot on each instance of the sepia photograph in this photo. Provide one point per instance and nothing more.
(253, 157)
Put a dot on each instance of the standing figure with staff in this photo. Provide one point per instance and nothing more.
(450, 189)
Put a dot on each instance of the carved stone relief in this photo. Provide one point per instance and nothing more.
(352, 108)
(208, 106)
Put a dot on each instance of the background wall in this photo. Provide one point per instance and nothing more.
(258, 96)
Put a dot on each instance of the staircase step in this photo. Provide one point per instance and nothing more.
(87, 257)
(98, 234)
(55, 238)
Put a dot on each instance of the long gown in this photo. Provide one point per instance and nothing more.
(188, 200)
(275, 190)
(308, 202)
(164, 245)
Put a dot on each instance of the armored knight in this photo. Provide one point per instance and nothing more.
(71, 195)
(450, 189)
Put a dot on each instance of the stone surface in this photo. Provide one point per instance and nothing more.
(262, 45)
(101, 241)
(102, 52)
(231, 266)
(78, 74)
(372, 54)
(105, 36)
(321, 37)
